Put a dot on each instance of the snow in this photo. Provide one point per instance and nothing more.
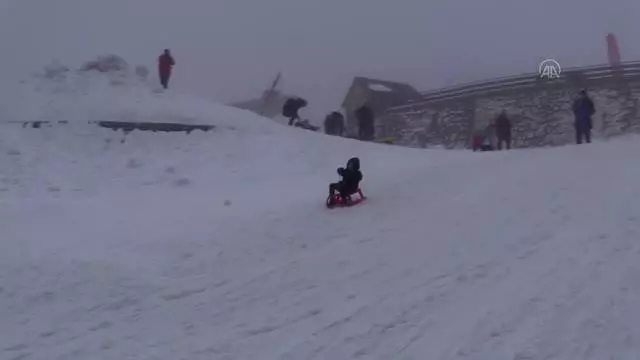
(379, 87)
(62, 94)
(218, 246)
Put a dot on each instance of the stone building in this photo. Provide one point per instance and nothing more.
(380, 94)
(540, 110)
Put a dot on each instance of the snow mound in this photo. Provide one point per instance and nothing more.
(106, 64)
(109, 89)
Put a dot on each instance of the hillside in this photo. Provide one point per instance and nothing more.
(218, 246)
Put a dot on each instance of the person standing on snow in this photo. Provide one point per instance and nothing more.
(165, 65)
(366, 122)
(583, 108)
(334, 124)
(291, 108)
(503, 130)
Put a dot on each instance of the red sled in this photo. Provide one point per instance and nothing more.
(335, 200)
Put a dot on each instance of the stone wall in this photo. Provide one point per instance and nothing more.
(541, 115)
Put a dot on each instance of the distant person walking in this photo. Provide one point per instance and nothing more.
(165, 65)
(583, 108)
(366, 120)
(503, 130)
(291, 108)
(334, 124)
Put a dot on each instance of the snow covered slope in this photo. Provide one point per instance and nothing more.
(218, 246)
(59, 93)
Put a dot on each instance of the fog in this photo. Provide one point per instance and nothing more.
(230, 50)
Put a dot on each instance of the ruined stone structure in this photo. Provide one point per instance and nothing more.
(540, 109)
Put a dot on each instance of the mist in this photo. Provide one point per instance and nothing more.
(230, 50)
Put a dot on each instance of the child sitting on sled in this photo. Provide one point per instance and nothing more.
(350, 183)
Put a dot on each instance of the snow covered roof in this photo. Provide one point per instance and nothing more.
(379, 87)
(383, 94)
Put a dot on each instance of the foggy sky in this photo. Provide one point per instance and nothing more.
(230, 50)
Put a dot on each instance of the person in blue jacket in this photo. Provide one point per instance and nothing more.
(583, 108)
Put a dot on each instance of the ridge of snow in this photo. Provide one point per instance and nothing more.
(62, 94)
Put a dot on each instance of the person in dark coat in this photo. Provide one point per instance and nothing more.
(366, 119)
(350, 183)
(503, 130)
(583, 108)
(291, 108)
(165, 65)
(334, 124)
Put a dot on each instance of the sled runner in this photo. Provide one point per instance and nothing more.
(335, 200)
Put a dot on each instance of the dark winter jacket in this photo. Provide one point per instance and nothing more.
(351, 176)
(503, 126)
(292, 106)
(334, 124)
(583, 109)
(366, 121)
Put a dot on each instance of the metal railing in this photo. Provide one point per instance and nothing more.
(584, 75)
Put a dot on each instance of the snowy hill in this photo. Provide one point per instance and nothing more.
(218, 246)
(58, 93)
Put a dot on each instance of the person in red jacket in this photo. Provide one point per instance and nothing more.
(165, 64)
